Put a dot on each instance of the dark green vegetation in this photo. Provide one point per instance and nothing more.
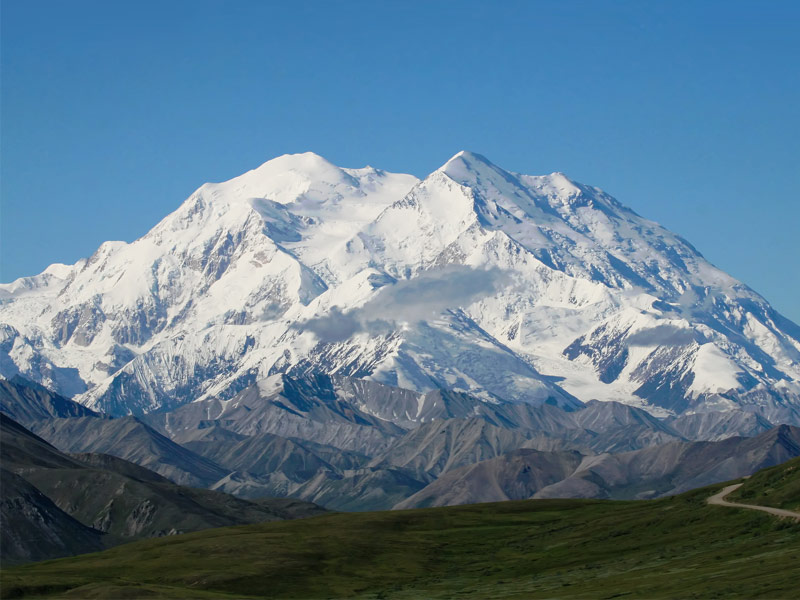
(667, 548)
(778, 486)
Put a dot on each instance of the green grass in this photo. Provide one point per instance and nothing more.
(671, 548)
(777, 486)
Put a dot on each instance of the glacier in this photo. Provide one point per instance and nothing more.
(510, 287)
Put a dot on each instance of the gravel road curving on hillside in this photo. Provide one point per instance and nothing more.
(719, 499)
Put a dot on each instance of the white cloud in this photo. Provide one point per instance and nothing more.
(408, 301)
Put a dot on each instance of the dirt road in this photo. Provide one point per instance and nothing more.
(719, 499)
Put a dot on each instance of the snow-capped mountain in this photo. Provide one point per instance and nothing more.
(510, 287)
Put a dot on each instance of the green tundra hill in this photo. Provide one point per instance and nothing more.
(778, 486)
(677, 547)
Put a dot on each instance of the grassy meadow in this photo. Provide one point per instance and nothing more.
(676, 547)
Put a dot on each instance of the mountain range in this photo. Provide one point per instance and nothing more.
(55, 504)
(364, 340)
(316, 439)
(513, 289)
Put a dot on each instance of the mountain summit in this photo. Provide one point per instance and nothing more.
(511, 287)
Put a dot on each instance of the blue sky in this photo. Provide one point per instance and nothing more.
(113, 113)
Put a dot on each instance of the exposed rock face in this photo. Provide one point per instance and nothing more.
(514, 476)
(647, 473)
(716, 425)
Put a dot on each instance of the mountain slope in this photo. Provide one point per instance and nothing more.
(56, 505)
(32, 527)
(716, 425)
(26, 403)
(510, 287)
(443, 445)
(512, 476)
(676, 467)
(129, 439)
(440, 446)
(650, 472)
(309, 408)
(264, 454)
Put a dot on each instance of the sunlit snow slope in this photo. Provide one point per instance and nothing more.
(511, 287)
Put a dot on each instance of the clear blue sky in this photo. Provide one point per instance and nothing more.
(114, 112)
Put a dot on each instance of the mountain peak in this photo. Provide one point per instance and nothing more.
(309, 165)
(465, 166)
(476, 171)
(270, 272)
(286, 178)
(468, 156)
(299, 160)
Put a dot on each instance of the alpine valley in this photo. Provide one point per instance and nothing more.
(367, 340)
